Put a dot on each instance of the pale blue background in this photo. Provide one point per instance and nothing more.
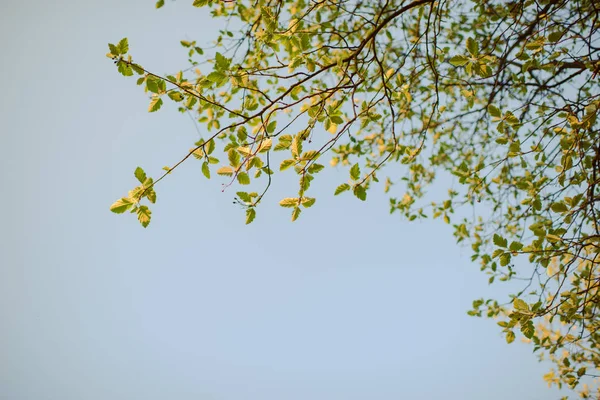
(347, 303)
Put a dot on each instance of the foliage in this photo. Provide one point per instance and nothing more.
(498, 100)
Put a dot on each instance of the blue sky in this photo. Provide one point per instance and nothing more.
(346, 303)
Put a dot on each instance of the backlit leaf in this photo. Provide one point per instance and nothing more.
(121, 205)
(144, 214)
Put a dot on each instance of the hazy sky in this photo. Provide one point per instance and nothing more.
(347, 303)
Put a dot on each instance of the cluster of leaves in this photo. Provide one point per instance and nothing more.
(498, 99)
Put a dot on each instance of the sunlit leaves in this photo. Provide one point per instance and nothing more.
(175, 96)
(342, 188)
(315, 168)
(355, 172)
(284, 143)
(308, 201)
(520, 305)
(296, 213)
(500, 241)
(515, 246)
(285, 164)
(221, 62)
(226, 170)
(123, 46)
(296, 146)
(234, 158)
(472, 46)
(250, 215)
(114, 50)
(243, 178)
(265, 145)
(140, 174)
(155, 85)
(289, 202)
(124, 68)
(559, 207)
(459, 61)
(510, 337)
(121, 205)
(144, 214)
(505, 104)
(206, 169)
(494, 111)
(360, 192)
(155, 104)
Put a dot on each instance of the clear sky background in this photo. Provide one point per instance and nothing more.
(346, 303)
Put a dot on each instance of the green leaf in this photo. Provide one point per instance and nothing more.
(114, 50)
(209, 147)
(515, 246)
(265, 145)
(559, 207)
(143, 215)
(483, 70)
(555, 37)
(140, 175)
(505, 259)
(355, 172)
(124, 69)
(315, 168)
(499, 240)
(553, 238)
(360, 192)
(121, 205)
(289, 202)
(510, 337)
(123, 46)
(139, 70)
(221, 61)
(216, 77)
(296, 213)
(250, 215)
(285, 164)
(244, 151)
(459, 61)
(308, 201)
(284, 142)
(296, 146)
(227, 171)
(234, 158)
(160, 3)
(528, 330)
(342, 188)
(206, 170)
(175, 96)
(152, 84)
(151, 195)
(310, 155)
(244, 197)
(200, 3)
(472, 47)
(271, 127)
(511, 118)
(243, 178)
(155, 104)
(520, 305)
(494, 111)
